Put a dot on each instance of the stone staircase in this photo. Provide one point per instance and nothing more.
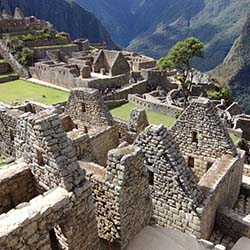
(10, 59)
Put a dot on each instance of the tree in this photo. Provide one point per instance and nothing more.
(25, 56)
(180, 57)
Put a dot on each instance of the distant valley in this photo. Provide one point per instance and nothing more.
(153, 26)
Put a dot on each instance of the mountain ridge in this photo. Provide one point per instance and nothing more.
(235, 69)
(155, 26)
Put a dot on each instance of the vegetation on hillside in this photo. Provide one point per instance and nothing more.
(222, 92)
(235, 70)
(64, 15)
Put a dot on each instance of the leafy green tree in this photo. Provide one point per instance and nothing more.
(25, 56)
(180, 57)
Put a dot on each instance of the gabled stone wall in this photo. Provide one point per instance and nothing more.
(122, 195)
(50, 154)
(201, 136)
(174, 191)
(87, 108)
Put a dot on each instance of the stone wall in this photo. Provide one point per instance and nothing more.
(179, 202)
(166, 109)
(138, 66)
(8, 78)
(135, 88)
(18, 25)
(155, 77)
(82, 144)
(233, 224)
(175, 194)
(49, 218)
(102, 142)
(8, 124)
(122, 128)
(86, 108)
(61, 75)
(40, 52)
(42, 141)
(202, 137)
(122, 195)
(58, 218)
(4, 68)
(246, 170)
(243, 122)
(108, 82)
(221, 187)
(50, 42)
(95, 147)
(16, 186)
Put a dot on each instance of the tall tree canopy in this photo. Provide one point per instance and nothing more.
(180, 57)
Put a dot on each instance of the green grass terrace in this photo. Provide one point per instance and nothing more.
(123, 112)
(19, 91)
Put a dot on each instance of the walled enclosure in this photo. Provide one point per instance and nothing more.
(201, 136)
(122, 194)
(88, 111)
(174, 191)
(8, 123)
(179, 202)
(44, 145)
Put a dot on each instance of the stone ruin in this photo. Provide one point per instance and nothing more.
(80, 173)
(202, 137)
(18, 22)
(58, 195)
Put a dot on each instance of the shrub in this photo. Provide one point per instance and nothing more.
(25, 56)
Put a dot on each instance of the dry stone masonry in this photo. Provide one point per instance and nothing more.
(201, 136)
(122, 194)
(174, 191)
(81, 177)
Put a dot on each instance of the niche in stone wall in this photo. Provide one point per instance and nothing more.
(209, 165)
(53, 240)
(190, 162)
(12, 135)
(39, 157)
(194, 137)
(83, 107)
(86, 129)
(151, 178)
(120, 135)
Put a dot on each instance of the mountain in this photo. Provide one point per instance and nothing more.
(235, 69)
(152, 27)
(116, 15)
(215, 22)
(66, 16)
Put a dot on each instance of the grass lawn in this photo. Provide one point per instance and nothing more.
(153, 117)
(19, 91)
(1, 161)
(234, 138)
